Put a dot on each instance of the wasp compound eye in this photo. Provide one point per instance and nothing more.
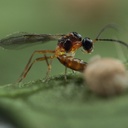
(77, 35)
(87, 44)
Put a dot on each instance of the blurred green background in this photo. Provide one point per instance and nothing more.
(86, 17)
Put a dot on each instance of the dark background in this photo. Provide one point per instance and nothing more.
(86, 17)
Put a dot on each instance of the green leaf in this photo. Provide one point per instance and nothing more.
(61, 104)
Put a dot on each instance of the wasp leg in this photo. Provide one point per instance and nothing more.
(49, 66)
(35, 52)
(65, 74)
(26, 70)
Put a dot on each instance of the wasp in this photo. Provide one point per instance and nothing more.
(65, 50)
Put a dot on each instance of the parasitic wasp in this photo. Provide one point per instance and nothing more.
(64, 51)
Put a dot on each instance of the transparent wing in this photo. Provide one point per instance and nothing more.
(23, 39)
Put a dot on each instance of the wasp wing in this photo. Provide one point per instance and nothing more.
(23, 39)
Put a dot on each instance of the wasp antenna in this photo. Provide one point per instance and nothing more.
(113, 26)
(113, 40)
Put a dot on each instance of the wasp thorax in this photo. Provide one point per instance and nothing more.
(77, 36)
(70, 42)
(67, 45)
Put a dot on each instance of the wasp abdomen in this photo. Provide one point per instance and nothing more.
(72, 63)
